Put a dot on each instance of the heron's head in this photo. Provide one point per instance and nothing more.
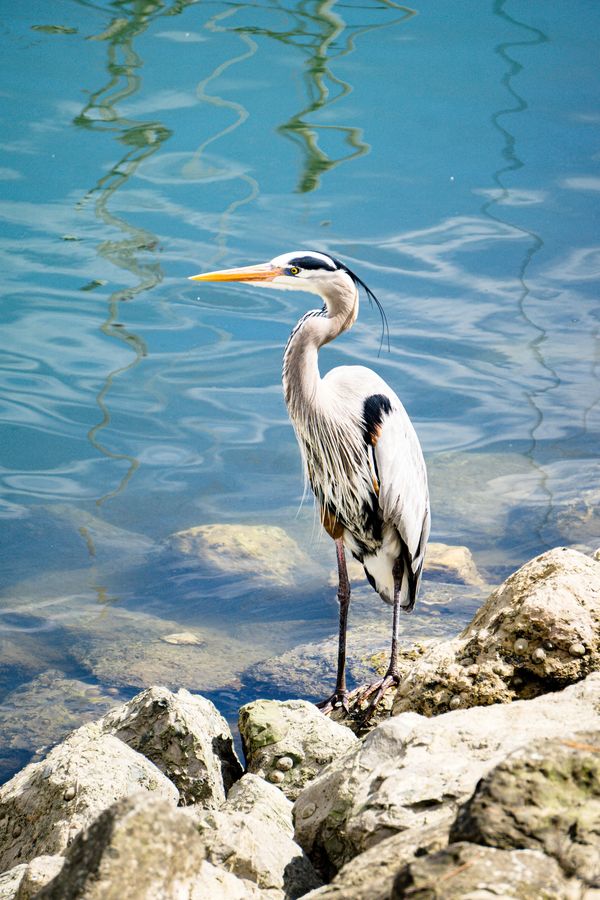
(302, 270)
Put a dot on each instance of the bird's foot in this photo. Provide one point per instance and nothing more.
(374, 693)
(339, 699)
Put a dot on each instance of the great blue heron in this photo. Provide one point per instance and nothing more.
(362, 455)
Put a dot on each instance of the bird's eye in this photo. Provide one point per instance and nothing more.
(293, 270)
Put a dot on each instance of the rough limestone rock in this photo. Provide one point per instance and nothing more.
(44, 806)
(185, 736)
(288, 742)
(413, 771)
(34, 876)
(10, 881)
(481, 873)
(144, 848)
(252, 837)
(543, 797)
(538, 632)
(262, 551)
(370, 876)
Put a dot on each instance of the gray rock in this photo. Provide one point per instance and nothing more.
(413, 771)
(252, 837)
(142, 848)
(185, 736)
(44, 806)
(536, 633)
(104, 642)
(10, 881)
(543, 797)
(464, 871)
(38, 873)
(370, 876)
(289, 742)
(263, 552)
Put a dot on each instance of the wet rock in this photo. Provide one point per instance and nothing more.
(44, 806)
(142, 847)
(263, 551)
(370, 876)
(413, 771)
(309, 669)
(451, 563)
(289, 742)
(182, 637)
(252, 837)
(465, 870)
(211, 663)
(545, 797)
(185, 736)
(536, 633)
(45, 710)
(82, 537)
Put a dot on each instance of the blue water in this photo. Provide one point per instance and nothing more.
(449, 153)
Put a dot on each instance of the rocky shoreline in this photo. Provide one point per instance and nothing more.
(480, 778)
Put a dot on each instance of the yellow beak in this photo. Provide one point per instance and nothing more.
(264, 272)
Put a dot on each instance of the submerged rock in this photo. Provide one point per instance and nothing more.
(262, 551)
(414, 771)
(544, 797)
(289, 742)
(128, 649)
(185, 736)
(536, 633)
(451, 563)
(41, 712)
(46, 804)
(310, 669)
(252, 837)
(465, 870)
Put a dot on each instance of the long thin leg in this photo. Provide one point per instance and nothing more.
(392, 676)
(392, 671)
(341, 692)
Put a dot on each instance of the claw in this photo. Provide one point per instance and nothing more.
(337, 699)
(378, 689)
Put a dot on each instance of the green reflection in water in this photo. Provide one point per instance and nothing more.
(240, 112)
(141, 140)
(318, 32)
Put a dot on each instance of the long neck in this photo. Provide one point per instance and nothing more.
(301, 377)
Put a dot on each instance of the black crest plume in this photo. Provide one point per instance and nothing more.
(385, 328)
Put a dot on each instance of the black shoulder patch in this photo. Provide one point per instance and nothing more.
(312, 262)
(375, 408)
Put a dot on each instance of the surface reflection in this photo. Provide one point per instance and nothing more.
(320, 33)
(504, 196)
(142, 140)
